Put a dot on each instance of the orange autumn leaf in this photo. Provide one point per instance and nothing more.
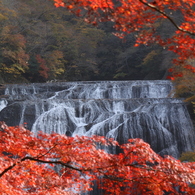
(140, 17)
(28, 165)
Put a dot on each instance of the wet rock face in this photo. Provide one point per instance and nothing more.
(11, 114)
(114, 109)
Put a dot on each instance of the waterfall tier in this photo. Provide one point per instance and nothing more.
(114, 109)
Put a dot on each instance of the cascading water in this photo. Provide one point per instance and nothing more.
(3, 103)
(114, 109)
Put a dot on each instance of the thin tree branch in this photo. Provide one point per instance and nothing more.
(39, 156)
(52, 162)
(168, 17)
(41, 161)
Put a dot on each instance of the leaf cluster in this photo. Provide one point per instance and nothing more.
(30, 165)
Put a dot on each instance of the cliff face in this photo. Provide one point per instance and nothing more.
(114, 109)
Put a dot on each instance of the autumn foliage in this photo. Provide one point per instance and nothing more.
(43, 70)
(141, 17)
(57, 164)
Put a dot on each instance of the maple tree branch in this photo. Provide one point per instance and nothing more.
(41, 161)
(113, 178)
(39, 156)
(52, 162)
(167, 16)
(61, 163)
(7, 169)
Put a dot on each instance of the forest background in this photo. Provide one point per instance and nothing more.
(39, 42)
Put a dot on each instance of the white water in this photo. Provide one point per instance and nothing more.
(3, 103)
(117, 109)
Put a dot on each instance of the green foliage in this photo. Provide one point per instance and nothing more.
(120, 75)
(188, 156)
(150, 65)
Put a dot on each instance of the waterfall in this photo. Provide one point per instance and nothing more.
(3, 103)
(114, 109)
